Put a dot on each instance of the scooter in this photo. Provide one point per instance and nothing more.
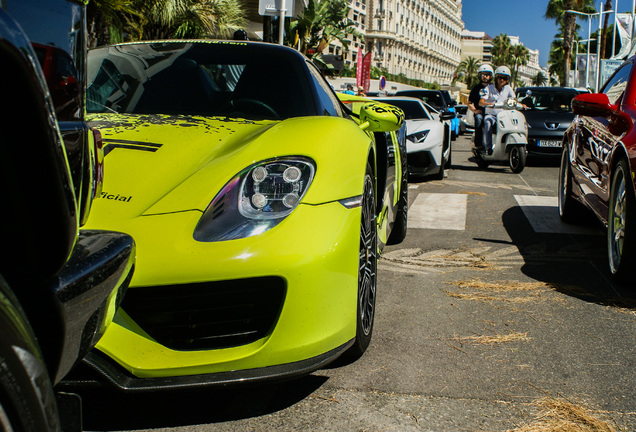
(509, 139)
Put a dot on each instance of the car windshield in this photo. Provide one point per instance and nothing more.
(210, 79)
(547, 100)
(413, 109)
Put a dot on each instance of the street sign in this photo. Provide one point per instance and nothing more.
(382, 83)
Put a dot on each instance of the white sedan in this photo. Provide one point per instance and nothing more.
(427, 144)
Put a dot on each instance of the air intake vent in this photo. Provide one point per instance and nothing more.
(208, 315)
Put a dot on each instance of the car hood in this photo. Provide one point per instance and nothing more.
(549, 120)
(414, 126)
(159, 164)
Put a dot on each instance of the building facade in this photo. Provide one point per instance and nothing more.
(420, 39)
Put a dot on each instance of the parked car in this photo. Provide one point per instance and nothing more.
(59, 282)
(466, 124)
(258, 216)
(427, 152)
(441, 101)
(548, 115)
(598, 167)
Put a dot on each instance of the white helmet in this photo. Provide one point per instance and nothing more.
(485, 68)
(502, 70)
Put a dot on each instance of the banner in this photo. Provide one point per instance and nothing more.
(366, 72)
(625, 26)
(586, 76)
(359, 68)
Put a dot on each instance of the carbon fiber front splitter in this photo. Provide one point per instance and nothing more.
(98, 369)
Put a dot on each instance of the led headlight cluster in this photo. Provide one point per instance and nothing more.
(256, 199)
(418, 137)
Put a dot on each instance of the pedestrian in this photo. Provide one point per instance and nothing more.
(349, 89)
(360, 91)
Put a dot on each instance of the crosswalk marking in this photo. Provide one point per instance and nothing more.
(447, 211)
(543, 214)
(438, 211)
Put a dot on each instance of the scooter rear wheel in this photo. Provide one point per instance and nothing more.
(517, 159)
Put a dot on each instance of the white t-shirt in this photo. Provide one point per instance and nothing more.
(490, 94)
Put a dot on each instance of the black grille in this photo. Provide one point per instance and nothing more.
(208, 315)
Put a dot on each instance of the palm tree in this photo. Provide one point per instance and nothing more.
(106, 20)
(539, 79)
(501, 50)
(520, 56)
(466, 71)
(319, 23)
(163, 19)
(189, 18)
(556, 10)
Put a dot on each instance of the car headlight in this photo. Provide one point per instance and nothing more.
(418, 137)
(256, 199)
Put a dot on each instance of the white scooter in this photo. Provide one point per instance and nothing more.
(509, 139)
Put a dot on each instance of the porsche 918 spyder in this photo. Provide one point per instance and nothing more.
(259, 204)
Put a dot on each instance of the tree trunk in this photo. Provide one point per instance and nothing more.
(569, 24)
(608, 6)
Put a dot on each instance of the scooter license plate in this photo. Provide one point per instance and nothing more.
(549, 143)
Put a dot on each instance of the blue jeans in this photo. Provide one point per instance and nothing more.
(479, 124)
(489, 123)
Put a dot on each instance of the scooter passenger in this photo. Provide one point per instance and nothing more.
(497, 92)
(484, 73)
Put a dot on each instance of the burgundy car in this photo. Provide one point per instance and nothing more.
(598, 166)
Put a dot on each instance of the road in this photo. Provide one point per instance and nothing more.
(483, 313)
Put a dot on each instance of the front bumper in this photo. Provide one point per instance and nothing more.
(87, 291)
(317, 315)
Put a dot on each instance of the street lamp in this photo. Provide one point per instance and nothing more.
(589, 33)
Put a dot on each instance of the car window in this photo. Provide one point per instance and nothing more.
(327, 97)
(615, 87)
(547, 99)
(211, 79)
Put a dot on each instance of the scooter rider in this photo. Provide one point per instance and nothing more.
(499, 91)
(484, 73)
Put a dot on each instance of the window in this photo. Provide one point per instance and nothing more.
(615, 86)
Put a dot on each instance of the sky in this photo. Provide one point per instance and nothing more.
(523, 18)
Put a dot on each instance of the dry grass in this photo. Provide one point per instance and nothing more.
(559, 415)
(477, 290)
(493, 339)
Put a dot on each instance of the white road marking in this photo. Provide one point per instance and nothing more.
(543, 214)
(438, 211)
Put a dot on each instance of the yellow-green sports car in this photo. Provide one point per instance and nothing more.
(259, 203)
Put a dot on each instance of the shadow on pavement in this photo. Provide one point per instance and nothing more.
(106, 409)
(574, 264)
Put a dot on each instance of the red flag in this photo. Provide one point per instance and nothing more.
(366, 72)
(359, 68)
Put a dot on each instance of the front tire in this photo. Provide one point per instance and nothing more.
(569, 209)
(621, 223)
(27, 401)
(398, 233)
(367, 270)
(517, 158)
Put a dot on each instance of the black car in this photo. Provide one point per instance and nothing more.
(59, 284)
(548, 115)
